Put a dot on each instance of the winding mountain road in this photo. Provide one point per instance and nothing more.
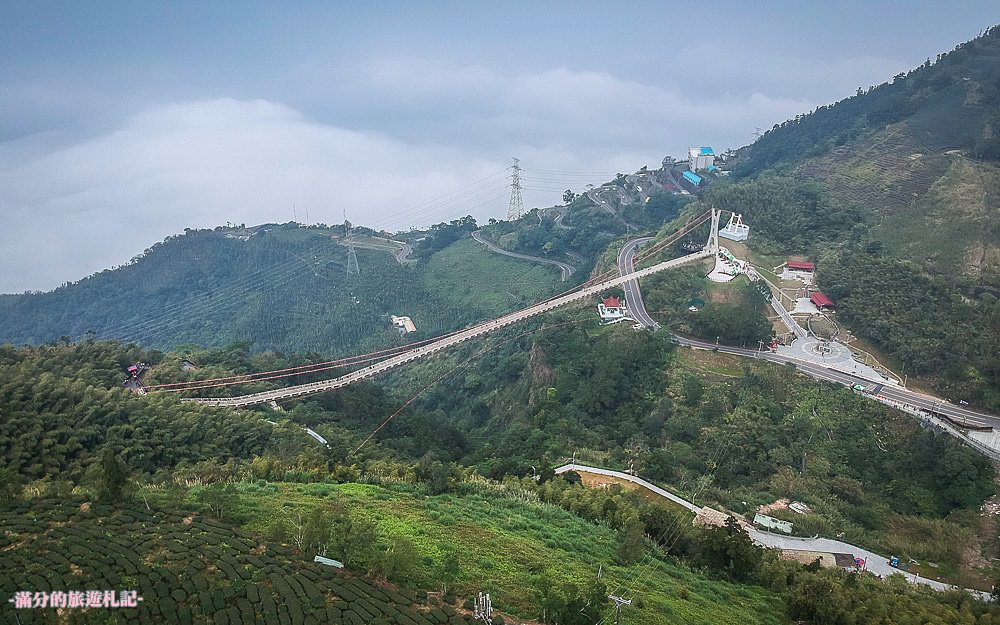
(956, 414)
(595, 197)
(874, 563)
(633, 296)
(566, 270)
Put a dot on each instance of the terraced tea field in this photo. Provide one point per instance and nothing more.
(187, 570)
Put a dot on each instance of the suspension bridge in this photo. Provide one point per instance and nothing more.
(588, 289)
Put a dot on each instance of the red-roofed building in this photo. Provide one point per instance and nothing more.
(822, 301)
(800, 265)
(612, 309)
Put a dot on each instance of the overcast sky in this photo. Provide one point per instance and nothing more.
(126, 122)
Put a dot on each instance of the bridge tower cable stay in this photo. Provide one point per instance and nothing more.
(516, 206)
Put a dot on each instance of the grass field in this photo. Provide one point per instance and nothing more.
(711, 362)
(505, 540)
(465, 274)
(948, 230)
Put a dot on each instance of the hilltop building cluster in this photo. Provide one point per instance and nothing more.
(805, 272)
(700, 159)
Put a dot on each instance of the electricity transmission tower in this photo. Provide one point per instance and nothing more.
(757, 133)
(516, 207)
(352, 255)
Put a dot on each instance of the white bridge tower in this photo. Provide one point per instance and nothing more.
(736, 230)
(713, 233)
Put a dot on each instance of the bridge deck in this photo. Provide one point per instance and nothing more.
(470, 333)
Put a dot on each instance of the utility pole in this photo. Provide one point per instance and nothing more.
(516, 207)
(619, 602)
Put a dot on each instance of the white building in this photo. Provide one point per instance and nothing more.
(772, 523)
(612, 309)
(405, 325)
(701, 158)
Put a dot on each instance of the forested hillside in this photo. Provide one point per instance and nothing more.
(912, 162)
(148, 475)
(280, 287)
(953, 103)
(895, 192)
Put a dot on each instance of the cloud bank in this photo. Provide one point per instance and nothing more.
(73, 209)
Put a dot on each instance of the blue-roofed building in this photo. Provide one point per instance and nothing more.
(693, 178)
(700, 158)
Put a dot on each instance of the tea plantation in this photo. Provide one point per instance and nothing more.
(187, 569)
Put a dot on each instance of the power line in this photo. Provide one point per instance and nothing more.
(222, 298)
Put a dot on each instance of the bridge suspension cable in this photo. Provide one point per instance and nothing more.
(463, 335)
(290, 371)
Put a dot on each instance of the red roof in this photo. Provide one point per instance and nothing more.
(799, 264)
(821, 300)
(612, 302)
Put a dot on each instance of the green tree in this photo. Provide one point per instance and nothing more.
(223, 500)
(631, 538)
(550, 600)
(9, 484)
(114, 484)
(449, 570)
(399, 561)
(730, 551)
(693, 390)
(358, 543)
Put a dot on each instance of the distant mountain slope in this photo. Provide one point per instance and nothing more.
(896, 191)
(950, 104)
(278, 287)
(918, 155)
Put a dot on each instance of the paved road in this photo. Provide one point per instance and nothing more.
(595, 197)
(875, 563)
(403, 255)
(957, 414)
(566, 270)
(560, 214)
(635, 181)
(633, 296)
(631, 478)
(400, 250)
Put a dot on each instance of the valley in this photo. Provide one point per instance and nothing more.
(759, 386)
